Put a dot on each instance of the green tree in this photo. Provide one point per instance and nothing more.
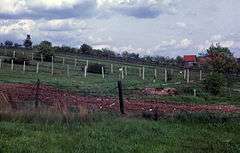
(221, 59)
(179, 60)
(45, 48)
(86, 49)
(27, 42)
(8, 44)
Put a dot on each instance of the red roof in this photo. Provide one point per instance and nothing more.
(189, 58)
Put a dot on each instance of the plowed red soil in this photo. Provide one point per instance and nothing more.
(49, 95)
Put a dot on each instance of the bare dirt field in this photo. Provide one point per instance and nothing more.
(17, 93)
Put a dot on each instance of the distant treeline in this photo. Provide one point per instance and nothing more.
(88, 51)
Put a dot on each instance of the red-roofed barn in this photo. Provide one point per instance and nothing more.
(189, 60)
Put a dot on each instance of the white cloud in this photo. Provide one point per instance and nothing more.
(216, 37)
(181, 24)
(185, 43)
(12, 6)
(138, 8)
(62, 25)
(17, 27)
(99, 41)
(52, 4)
(16, 30)
(228, 43)
(165, 45)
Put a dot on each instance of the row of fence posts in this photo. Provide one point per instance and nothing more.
(124, 70)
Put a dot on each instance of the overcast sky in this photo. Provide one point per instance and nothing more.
(147, 27)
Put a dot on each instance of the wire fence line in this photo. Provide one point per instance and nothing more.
(41, 95)
(69, 66)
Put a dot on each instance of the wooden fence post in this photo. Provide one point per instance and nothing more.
(37, 68)
(125, 68)
(188, 75)
(103, 73)
(165, 75)
(14, 54)
(155, 73)
(139, 72)
(87, 63)
(112, 68)
(143, 73)
(12, 65)
(24, 66)
(0, 63)
(194, 92)
(85, 71)
(122, 72)
(52, 66)
(36, 95)
(63, 61)
(200, 75)
(120, 93)
(75, 63)
(68, 74)
(41, 58)
(185, 74)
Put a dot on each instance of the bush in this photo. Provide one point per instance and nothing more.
(46, 50)
(214, 83)
(95, 68)
(18, 60)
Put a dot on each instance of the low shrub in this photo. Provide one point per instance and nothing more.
(214, 83)
(18, 60)
(95, 68)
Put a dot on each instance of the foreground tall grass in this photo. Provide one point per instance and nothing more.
(110, 133)
(51, 130)
(76, 130)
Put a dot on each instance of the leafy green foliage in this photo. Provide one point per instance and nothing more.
(95, 68)
(8, 43)
(86, 49)
(45, 48)
(19, 59)
(221, 59)
(214, 83)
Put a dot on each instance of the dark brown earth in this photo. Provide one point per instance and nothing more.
(49, 95)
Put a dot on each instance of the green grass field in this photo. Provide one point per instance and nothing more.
(94, 84)
(113, 134)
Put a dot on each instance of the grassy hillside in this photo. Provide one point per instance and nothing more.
(94, 84)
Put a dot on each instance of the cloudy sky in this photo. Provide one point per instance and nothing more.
(147, 27)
